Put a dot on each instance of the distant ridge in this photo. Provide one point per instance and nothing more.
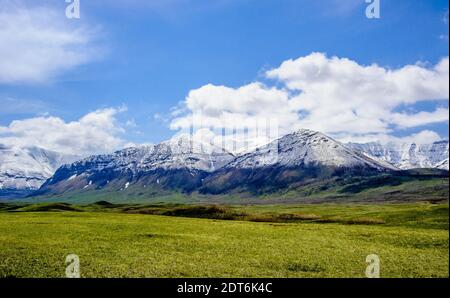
(25, 169)
(172, 166)
(408, 155)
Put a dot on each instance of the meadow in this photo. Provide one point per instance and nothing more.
(323, 240)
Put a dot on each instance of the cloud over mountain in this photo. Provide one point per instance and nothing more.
(95, 132)
(334, 95)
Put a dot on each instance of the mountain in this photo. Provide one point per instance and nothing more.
(407, 155)
(293, 160)
(23, 170)
(443, 165)
(177, 166)
(306, 148)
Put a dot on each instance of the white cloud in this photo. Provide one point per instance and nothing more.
(246, 114)
(223, 107)
(131, 123)
(422, 137)
(421, 118)
(322, 79)
(38, 43)
(334, 95)
(356, 98)
(96, 132)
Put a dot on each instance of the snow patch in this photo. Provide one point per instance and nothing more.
(90, 183)
(72, 177)
(407, 155)
(29, 167)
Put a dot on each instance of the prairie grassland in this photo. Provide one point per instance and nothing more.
(411, 241)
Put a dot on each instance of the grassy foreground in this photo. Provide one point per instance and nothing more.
(411, 241)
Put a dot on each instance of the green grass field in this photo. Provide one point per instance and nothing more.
(256, 241)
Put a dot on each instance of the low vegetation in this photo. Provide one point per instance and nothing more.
(172, 240)
(406, 186)
(423, 215)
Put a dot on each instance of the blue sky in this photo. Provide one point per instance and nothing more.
(148, 55)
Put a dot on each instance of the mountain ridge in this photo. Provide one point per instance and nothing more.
(25, 169)
(408, 155)
(172, 165)
(185, 165)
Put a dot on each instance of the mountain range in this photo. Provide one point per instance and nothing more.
(183, 166)
(407, 155)
(24, 169)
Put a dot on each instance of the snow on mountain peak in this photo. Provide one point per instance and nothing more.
(177, 153)
(408, 155)
(27, 168)
(305, 147)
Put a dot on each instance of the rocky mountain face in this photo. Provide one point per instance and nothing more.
(292, 160)
(186, 165)
(407, 155)
(180, 165)
(305, 148)
(23, 170)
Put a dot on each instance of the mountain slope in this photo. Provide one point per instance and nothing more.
(175, 166)
(172, 165)
(305, 148)
(443, 165)
(292, 161)
(408, 155)
(301, 165)
(25, 169)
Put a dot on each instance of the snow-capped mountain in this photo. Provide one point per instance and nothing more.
(443, 165)
(300, 157)
(182, 164)
(408, 155)
(177, 153)
(179, 163)
(26, 169)
(306, 148)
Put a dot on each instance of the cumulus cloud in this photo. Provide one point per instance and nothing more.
(38, 43)
(421, 118)
(422, 137)
(357, 98)
(334, 95)
(96, 132)
(241, 118)
(223, 107)
(318, 76)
